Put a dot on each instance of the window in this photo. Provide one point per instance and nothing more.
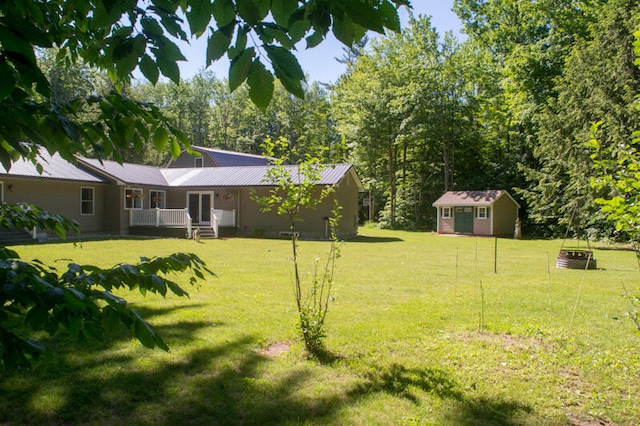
(197, 162)
(446, 212)
(482, 212)
(87, 201)
(157, 199)
(133, 199)
(1, 192)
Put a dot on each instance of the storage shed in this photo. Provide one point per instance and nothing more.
(488, 212)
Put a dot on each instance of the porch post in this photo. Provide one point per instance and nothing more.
(188, 220)
(157, 217)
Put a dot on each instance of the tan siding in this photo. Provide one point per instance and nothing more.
(58, 197)
(253, 221)
(187, 160)
(505, 214)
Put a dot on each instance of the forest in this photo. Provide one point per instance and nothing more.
(539, 98)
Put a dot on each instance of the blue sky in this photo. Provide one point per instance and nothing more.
(319, 62)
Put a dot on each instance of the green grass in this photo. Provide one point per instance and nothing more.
(404, 329)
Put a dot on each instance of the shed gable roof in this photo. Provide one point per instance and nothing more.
(472, 198)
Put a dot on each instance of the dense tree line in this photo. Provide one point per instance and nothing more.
(419, 113)
(509, 107)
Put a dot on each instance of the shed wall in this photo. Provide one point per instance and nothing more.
(505, 215)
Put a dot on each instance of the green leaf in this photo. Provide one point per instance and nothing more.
(260, 83)
(143, 332)
(14, 42)
(223, 12)
(293, 86)
(248, 11)
(282, 11)
(159, 284)
(168, 68)
(314, 39)
(343, 29)
(199, 15)
(7, 79)
(299, 25)
(365, 15)
(149, 69)
(160, 138)
(390, 16)
(217, 46)
(151, 27)
(240, 67)
(285, 61)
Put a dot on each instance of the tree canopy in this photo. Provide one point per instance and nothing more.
(121, 36)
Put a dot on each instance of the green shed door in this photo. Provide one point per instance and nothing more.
(463, 220)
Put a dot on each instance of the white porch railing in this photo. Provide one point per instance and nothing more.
(226, 218)
(159, 217)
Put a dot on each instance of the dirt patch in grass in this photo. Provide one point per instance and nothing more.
(276, 349)
(582, 420)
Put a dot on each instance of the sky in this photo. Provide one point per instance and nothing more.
(319, 63)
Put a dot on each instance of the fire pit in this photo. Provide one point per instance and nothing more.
(576, 259)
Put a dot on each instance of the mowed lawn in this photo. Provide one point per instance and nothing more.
(422, 329)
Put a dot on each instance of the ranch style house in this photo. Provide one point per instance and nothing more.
(211, 191)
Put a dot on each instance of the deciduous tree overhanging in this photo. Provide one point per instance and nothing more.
(117, 38)
(35, 297)
(121, 36)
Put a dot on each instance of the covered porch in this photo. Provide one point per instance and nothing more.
(179, 222)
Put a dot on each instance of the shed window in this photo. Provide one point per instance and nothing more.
(157, 199)
(482, 212)
(446, 212)
(197, 162)
(87, 201)
(133, 199)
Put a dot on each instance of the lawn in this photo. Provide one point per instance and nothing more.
(422, 329)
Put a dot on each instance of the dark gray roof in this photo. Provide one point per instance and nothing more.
(53, 167)
(472, 198)
(128, 173)
(231, 158)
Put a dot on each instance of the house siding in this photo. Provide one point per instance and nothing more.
(186, 160)
(314, 226)
(61, 197)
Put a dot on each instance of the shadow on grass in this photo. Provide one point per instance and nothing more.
(223, 384)
(407, 383)
(370, 239)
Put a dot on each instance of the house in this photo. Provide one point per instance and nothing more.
(214, 194)
(489, 212)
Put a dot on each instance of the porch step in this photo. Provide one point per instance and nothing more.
(15, 237)
(206, 232)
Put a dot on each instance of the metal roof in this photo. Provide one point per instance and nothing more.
(244, 176)
(241, 176)
(53, 167)
(224, 158)
(472, 198)
(128, 173)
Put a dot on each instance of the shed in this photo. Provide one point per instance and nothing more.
(488, 212)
